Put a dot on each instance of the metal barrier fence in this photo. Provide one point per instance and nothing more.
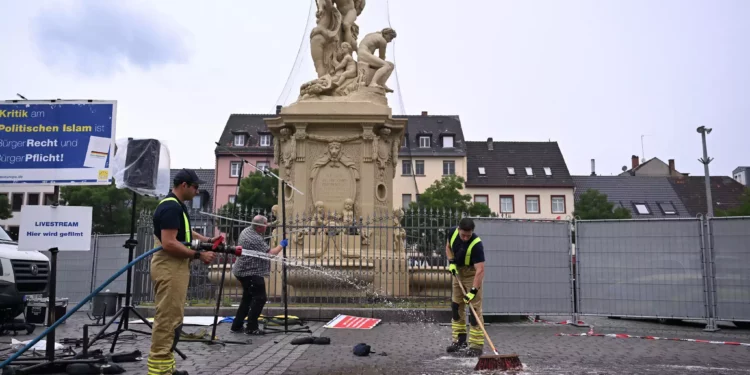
(641, 268)
(527, 267)
(730, 246)
(79, 272)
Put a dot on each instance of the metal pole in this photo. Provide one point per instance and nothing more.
(705, 161)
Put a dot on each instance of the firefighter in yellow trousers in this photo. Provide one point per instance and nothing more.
(170, 270)
(466, 262)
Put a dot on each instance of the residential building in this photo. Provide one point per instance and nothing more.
(643, 196)
(527, 180)
(726, 193)
(203, 201)
(433, 146)
(741, 175)
(21, 195)
(246, 136)
(653, 167)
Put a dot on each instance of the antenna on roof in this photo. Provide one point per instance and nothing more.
(643, 152)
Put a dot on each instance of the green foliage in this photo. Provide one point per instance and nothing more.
(5, 209)
(258, 191)
(111, 206)
(445, 195)
(742, 210)
(593, 205)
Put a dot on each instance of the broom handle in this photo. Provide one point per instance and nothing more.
(476, 315)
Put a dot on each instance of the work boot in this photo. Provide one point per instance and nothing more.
(180, 372)
(458, 345)
(255, 332)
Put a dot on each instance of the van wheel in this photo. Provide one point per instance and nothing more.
(669, 321)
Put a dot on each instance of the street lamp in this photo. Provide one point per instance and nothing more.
(705, 160)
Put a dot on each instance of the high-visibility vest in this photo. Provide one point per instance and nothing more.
(188, 231)
(467, 259)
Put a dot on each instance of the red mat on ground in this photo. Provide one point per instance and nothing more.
(352, 322)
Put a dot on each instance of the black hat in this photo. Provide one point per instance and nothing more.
(362, 350)
(188, 176)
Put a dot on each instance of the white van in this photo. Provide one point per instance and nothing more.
(22, 273)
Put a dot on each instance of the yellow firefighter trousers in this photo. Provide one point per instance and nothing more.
(170, 276)
(458, 307)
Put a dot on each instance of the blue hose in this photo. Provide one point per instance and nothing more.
(78, 306)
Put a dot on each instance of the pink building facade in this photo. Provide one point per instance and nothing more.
(246, 136)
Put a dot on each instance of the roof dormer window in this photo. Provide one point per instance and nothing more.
(482, 171)
(548, 171)
(424, 141)
(239, 140)
(529, 172)
(447, 141)
(511, 171)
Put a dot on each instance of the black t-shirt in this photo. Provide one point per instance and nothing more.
(460, 247)
(169, 215)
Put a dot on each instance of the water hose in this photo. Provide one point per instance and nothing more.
(78, 306)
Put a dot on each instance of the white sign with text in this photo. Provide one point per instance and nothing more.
(68, 228)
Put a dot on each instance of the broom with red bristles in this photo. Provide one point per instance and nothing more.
(492, 362)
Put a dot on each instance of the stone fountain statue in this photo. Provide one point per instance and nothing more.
(332, 42)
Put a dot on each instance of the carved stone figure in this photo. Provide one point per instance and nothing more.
(347, 217)
(285, 150)
(346, 67)
(318, 218)
(365, 55)
(335, 157)
(350, 10)
(385, 151)
(399, 234)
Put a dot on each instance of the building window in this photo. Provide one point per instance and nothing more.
(558, 204)
(483, 199)
(263, 165)
(265, 140)
(548, 171)
(642, 208)
(16, 201)
(482, 171)
(511, 171)
(200, 230)
(406, 167)
(239, 140)
(532, 204)
(449, 167)
(417, 196)
(406, 141)
(197, 202)
(232, 199)
(49, 199)
(32, 199)
(667, 208)
(506, 204)
(405, 200)
(529, 172)
(448, 141)
(419, 166)
(424, 141)
(234, 169)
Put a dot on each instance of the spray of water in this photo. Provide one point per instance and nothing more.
(359, 284)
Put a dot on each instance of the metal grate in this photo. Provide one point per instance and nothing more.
(31, 276)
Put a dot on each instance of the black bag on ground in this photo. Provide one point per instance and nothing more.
(362, 350)
(93, 369)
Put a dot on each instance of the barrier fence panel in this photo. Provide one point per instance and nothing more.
(731, 257)
(111, 256)
(75, 271)
(641, 268)
(527, 266)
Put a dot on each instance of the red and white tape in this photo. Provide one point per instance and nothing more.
(542, 321)
(626, 336)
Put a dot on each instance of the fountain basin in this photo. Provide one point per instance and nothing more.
(332, 277)
(430, 281)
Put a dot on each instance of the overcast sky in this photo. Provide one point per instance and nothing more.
(593, 75)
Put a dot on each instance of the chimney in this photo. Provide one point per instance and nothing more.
(424, 113)
(593, 167)
(634, 161)
(490, 146)
(671, 167)
(278, 109)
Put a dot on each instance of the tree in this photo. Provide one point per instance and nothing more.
(742, 210)
(111, 206)
(593, 205)
(445, 195)
(258, 191)
(5, 211)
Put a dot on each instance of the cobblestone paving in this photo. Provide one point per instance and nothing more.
(419, 348)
